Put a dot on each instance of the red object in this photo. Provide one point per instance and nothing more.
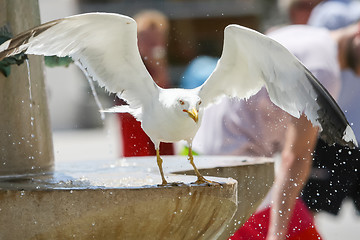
(301, 226)
(136, 142)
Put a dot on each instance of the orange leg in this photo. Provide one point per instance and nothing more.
(200, 177)
(159, 162)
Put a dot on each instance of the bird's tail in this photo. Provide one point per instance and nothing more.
(124, 109)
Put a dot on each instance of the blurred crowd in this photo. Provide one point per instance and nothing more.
(312, 176)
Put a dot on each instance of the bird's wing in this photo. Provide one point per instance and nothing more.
(251, 60)
(104, 45)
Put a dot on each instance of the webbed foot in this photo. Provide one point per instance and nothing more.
(202, 180)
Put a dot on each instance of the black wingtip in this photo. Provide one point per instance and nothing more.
(335, 127)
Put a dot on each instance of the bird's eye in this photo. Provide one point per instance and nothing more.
(181, 102)
(200, 102)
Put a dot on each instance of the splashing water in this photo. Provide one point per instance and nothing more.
(29, 78)
(91, 82)
(31, 99)
(98, 103)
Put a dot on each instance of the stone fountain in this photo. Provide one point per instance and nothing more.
(106, 199)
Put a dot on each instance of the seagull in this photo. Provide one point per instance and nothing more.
(104, 46)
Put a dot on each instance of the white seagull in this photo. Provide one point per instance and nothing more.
(104, 46)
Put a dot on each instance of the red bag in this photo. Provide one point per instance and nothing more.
(136, 142)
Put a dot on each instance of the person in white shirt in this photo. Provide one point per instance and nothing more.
(257, 126)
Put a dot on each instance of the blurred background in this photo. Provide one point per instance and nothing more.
(196, 28)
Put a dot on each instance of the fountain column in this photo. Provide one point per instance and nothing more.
(25, 133)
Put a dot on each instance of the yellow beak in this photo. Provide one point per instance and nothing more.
(193, 113)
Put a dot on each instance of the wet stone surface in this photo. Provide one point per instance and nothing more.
(121, 199)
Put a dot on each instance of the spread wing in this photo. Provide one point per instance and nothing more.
(103, 45)
(250, 60)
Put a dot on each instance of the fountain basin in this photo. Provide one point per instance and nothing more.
(139, 213)
(121, 200)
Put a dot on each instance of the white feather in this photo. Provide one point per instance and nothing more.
(105, 45)
(250, 61)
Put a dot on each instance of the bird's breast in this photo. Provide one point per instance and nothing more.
(170, 127)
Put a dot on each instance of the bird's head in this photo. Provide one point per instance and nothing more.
(190, 106)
